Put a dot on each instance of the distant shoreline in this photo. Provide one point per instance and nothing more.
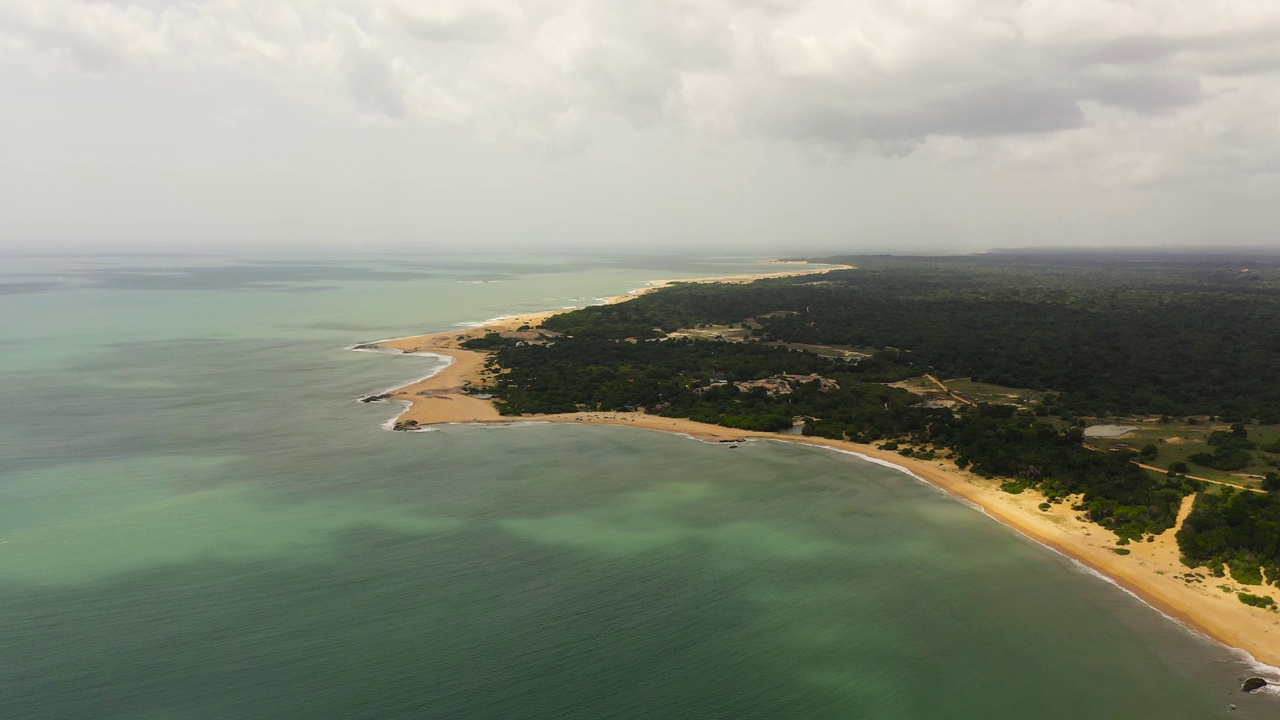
(1151, 571)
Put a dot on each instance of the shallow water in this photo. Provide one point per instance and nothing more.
(1108, 431)
(197, 520)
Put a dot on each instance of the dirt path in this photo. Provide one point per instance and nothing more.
(1201, 479)
(1224, 483)
(948, 391)
(1183, 511)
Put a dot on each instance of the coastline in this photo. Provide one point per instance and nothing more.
(1151, 571)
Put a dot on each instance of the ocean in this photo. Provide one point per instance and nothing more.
(199, 520)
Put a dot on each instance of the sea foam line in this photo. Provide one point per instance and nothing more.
(894, 466)
(448, 360)
(391, 424)
(1270, 672)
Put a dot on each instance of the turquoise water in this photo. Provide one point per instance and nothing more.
(198, 521)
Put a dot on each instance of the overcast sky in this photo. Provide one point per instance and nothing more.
(766, 125)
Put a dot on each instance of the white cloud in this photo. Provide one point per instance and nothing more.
(1120, 91)
(448, 20)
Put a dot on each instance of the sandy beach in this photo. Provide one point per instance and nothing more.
(1151, 570)
(443, 398)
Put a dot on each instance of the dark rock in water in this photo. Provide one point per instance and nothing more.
(1253, 683)
(364, 346)
(406, 425)
(375, 398)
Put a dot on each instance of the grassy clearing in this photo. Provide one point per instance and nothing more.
(839, 352)
(998, 394)
(742, 332)
(737, 332)
(1178, 441)
(919, 385)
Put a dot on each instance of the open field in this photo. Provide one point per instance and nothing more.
(737, 332)
(987, 393)
(1177, 442)
(970, 392)
(741, 332)
(840, 352)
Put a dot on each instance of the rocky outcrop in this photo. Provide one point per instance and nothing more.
(1253, 683)
(375, 398)
(405, 426)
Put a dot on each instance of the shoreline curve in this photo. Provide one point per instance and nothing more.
(1152, 572)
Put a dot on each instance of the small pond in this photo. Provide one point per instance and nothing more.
(1107, 430)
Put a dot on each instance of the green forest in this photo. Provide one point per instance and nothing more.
(1158, 338)
(1153, 336)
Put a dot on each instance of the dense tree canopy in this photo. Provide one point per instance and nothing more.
(1241, 529)
(1157, 338)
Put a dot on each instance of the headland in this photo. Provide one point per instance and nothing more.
(1151, 571)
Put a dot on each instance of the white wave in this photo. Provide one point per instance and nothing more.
(384, 351)
(482, 323)
(1271, 688)
(695, 438)
(434, 371)
(390, 424)
(1268, 672)
(893, 466)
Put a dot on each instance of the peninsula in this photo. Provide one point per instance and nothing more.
(762, 357)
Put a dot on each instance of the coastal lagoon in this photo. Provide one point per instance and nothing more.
(198, 520)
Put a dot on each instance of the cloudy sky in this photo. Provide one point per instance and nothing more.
(771, 125)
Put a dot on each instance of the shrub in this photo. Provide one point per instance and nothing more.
(1246, 572)
(1262, 601)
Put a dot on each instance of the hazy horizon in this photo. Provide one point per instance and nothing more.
(762, 126)
(260, 253)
